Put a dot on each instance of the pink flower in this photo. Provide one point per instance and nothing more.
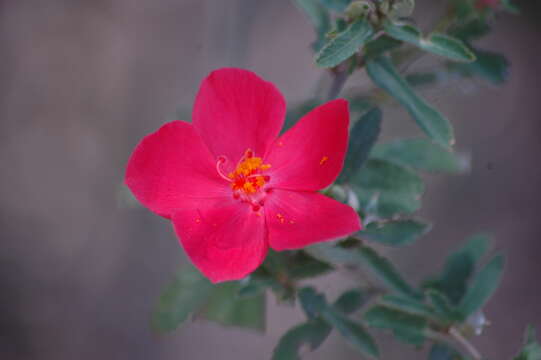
(232, 187)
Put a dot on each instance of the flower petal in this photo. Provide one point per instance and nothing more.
(225, 242)
(172, 168)
(311, 154)
(236, 110)
(297, 219)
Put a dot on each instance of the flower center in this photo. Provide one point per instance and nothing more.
(247, 180)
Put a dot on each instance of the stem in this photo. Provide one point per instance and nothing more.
(338, 82)
(465, 343)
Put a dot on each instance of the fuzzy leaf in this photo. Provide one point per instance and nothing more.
(395, 233)
(311, 333)
(420, 154)
(443, 352)
(383, 73)
(436, 43)
(350, 301)
(344, 44)
(227, 308)
(531, 349)
(185, 295)
(386, 271)
(405, 326)
(362, 137)
(483, 286)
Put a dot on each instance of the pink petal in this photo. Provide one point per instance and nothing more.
(225, 242)
(236, 110)
(311, 154)
(172, 169)
(297, 219)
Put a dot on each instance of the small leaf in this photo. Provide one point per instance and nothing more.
(492, 66)
(379, 46)
(436, 43)
(408, 305)
(353, 332)
(510, 7)
(386, 271)
(405, 326)
(363, 136)
(471, 30)
(459, 267)
(442, 305)
(302, 266)
(181, 298)
(311, 333)
(531, 349)
(312, 302)
(344, 44)
(420, 154)
(443, 352)
(336, 5)
(447, 46)
(483, 286)
(350, 301)
(397, 189)
(395, 233)
(383, 73)
(227, 308)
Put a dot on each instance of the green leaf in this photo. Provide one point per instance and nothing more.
(319, 17)
(227, 308)
(386, 271)
(185, 295)
(312, 302)
(436, 43)
(408, 305)
(397, 189)
(510, 7)
(350, 301)
(531, 349)
(395, 233)
(408, 327)
(311, 333)
(344, 44)
(471, 30)
(362, 137)
(443, 306)
(491, 66)
(417, 79)
(459, 267)
(336, 5)
(420, 154)
(353, 332)
(483, 286)
(443, 352)
(381, 45)
(302, 266)
(383, 73)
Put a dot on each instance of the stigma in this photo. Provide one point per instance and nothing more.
(247, 180)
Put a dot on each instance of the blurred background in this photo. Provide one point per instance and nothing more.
(82, 81)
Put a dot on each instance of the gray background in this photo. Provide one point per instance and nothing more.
(82, 81)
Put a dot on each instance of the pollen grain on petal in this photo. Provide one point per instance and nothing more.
(323, 160)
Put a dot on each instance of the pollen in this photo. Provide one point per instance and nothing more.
(323, 160)
(248, 177)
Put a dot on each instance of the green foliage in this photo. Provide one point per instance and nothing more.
(436, 43)
(491, 66)
(395, 232)
(459, 267)
(384, 74)
(405, 326)
(531, 349)
(311, 333)
(394, 189)
(185, 295)
(363, 136)
(316, 307)
(350, 301)
(483, 286)
(345, 44)
(387, 273)
(420, 154)
(225, 307)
